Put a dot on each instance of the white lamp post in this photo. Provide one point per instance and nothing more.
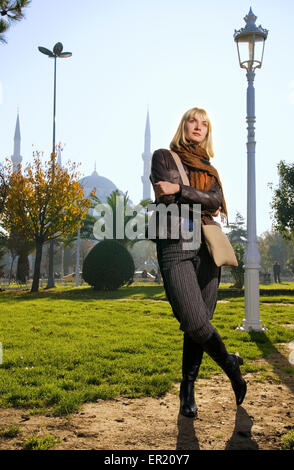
(250, 45)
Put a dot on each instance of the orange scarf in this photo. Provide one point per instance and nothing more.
(196, 158)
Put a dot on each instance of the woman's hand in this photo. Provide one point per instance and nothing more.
(164, 188)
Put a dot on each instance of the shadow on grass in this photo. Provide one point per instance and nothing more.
(273, 356)
(87, 293)
(140, 292)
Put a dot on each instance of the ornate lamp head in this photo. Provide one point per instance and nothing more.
(250, 43)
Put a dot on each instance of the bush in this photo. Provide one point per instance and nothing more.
(108, 266)
(40, 443)
(288, 441)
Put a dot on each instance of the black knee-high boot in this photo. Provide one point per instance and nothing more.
(230, 363)
(192, 357)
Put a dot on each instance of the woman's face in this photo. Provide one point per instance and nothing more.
(196, 129)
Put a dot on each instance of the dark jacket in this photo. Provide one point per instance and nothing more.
(164, 168)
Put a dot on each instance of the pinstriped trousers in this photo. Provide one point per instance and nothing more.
(191, 279)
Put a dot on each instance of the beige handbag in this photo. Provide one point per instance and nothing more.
(217, 242)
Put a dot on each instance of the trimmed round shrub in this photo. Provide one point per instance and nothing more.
(108, 266)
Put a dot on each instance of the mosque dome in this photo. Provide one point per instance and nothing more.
(103, 185)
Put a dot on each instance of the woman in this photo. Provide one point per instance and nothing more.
(191, 277)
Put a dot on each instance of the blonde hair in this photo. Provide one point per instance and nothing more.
(180, 135)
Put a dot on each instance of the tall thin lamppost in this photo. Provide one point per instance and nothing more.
(250, 45)
(56, 53)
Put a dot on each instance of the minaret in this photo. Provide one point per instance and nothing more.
(146, 156)
(95, 172)
(16, 158)
(59, 155)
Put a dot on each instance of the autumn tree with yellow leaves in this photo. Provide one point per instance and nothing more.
(45, 202)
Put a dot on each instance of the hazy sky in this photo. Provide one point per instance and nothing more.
(168, 55)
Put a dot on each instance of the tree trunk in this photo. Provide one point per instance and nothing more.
(37, 268)
(22, 271)
(11, 266)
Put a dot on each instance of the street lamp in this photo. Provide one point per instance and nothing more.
(250, 45)
(57, 52)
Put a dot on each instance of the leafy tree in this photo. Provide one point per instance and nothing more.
(238, 239)
(135, 211)
(19, 248)
(44, 204)
(2, 251)
(290, 264)
(144, 251)
(11, 245)
(24, 248)
(86, 231)
(11, 11)
(283, 201)
(238, 234)
(14, 241)
(273, 247)
(238, 271)
(4, 185)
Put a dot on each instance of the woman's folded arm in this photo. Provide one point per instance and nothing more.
(209, 200)
(159, 172)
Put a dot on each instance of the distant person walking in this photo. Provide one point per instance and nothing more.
(277, 271)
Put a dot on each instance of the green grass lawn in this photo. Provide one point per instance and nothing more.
(69, 345)
(270, 286)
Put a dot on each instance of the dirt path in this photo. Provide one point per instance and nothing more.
(155, 424)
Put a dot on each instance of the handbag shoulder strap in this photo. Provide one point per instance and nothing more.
(179, 164)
